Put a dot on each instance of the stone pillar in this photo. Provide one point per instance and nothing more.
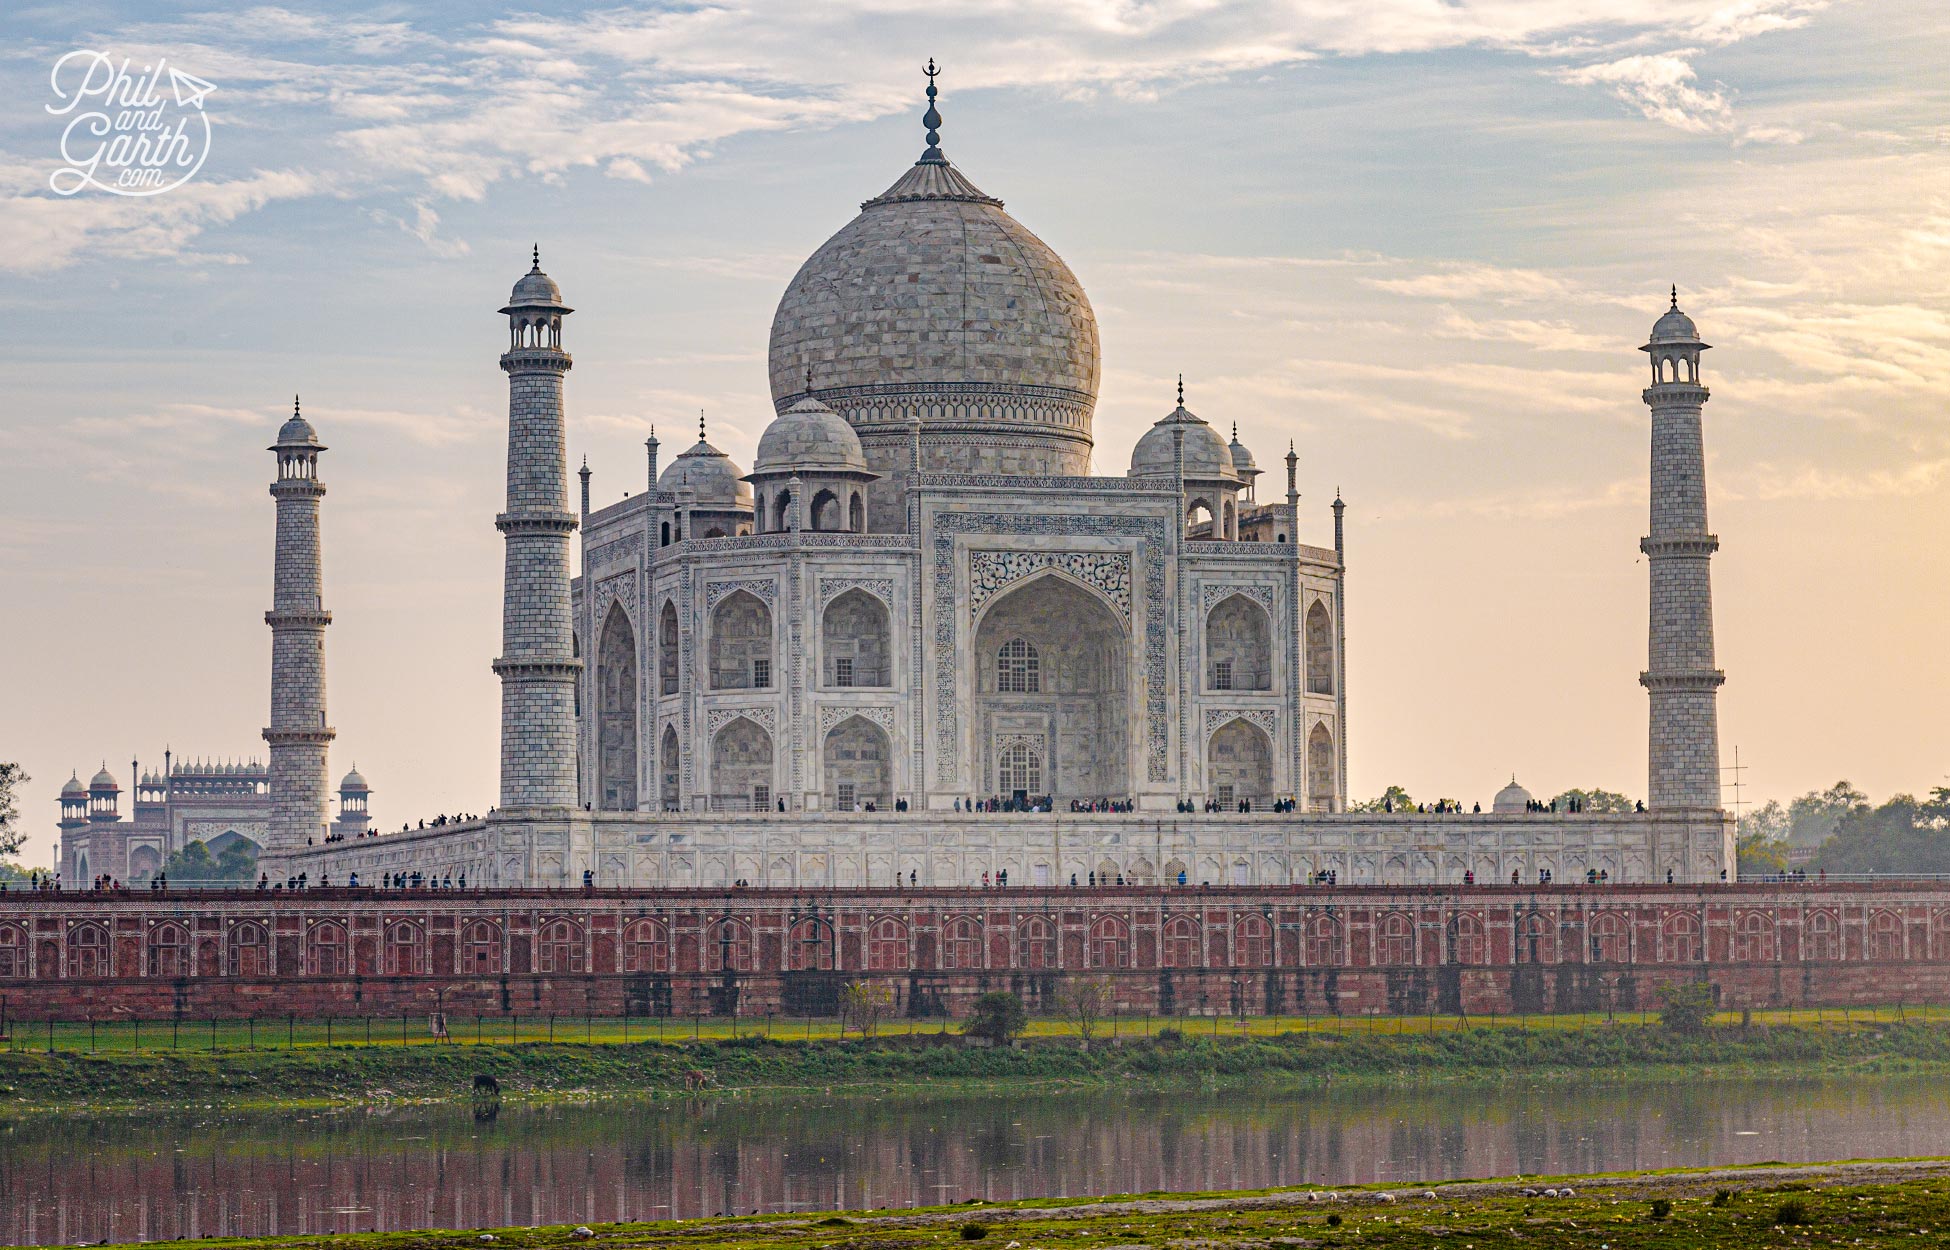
(1340, 651)
(298, 735)
(538, 666)
(1684, 754)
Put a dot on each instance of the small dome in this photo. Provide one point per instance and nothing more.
(1674, 326)
(1206, 453)
(296, 430)
(1511, 798)
(536, 289)
(716, 481)
(103, 780)
(74, 789)
(353, 781)
(809, 437)
(1242, 460)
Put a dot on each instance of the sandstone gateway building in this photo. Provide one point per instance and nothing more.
(918, 600)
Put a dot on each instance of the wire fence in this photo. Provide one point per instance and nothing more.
(214, 1035)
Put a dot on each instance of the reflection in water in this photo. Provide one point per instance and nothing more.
(135, 1177)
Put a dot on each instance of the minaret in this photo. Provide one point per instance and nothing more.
(1684, 755)
(538, 665)
(298, 735)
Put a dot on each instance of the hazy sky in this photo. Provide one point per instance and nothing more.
(1420, 240)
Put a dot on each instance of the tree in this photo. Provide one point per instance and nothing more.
(997, 1017)
(1902, 836)
(1815, 816)
(195, 863)
(1084, 1001)
(1685, 1008)
(863, 1003)
(1594, 800)
(1393, 798)
(12, 836)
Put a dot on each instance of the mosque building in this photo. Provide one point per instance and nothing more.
(917, 639)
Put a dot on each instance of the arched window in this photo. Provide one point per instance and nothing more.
(1885, 936)
(887, 946)
(1110, 943)
(169, 951)
(1321, 773)
(646, 947)
(1238, 646)
(1021, 768)
(1467, 944)
(1018, 669)
(13, 951)
(782, 511)
(728, 947)
(1181, 942)
(809, 945)
(1823, 936)
(1680, 937)
(668, 773)
(741, 643)
(855, 641)
(325, 954)
(248, 952)
(406, 950)
(741, 768)
(1536, 940)
(1037, 937)
(1611, 939)
(480, 948)
(1395, 940)
(961, 947)
(558, 947)
(1320, 650)
(1253, 941)
(1324, 947)
(667, 648)
(856, 515)
(825, 511)
(617, 713)
(1753, 938)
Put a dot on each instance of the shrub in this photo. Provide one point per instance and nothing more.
(1722, 1196)
(1169, 1037)
(997, 1016)
(1685, 1007)
(972, 1231)
(1333, 1221)
(1661, 1208)
(1794, 1211)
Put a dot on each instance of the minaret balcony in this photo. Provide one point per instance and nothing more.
(318, 736)
(536, 522)
(1696, 681)
(319, 616)
(1696, 546)
(1675, 394)
(536, 360)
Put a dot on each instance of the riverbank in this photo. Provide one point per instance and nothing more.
(352, 1075)
(1881, 1203)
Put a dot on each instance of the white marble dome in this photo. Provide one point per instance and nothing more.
(74, 788)
(1511, 798)
(354, 780)
(809, 437)
(716, 481)
(1206, 453)
(1674, 326)
(933, 304)
(103, 780)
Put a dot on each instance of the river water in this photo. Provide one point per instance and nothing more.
(69, 1178)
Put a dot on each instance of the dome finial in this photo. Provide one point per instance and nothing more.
(809, 377)
(932, 119)
(1675, 297)
(700, 426)
(537, 259)
(1181, 390)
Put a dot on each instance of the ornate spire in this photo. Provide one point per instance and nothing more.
(700, 426)
(932, 120)
(537, 259)
(1181, 390)
(294, 405)
(1675, 297)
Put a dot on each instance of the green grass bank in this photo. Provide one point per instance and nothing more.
(1862, 1204)
(359, 1073)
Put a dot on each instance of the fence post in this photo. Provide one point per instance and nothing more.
(50, 1035)
(253, 1033)
(138, 1034)
(402, 1028)
(213, 1035)
(368, 1030)
(328, 1031)
(291, 1031)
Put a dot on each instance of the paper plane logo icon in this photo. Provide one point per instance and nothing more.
(189, 89)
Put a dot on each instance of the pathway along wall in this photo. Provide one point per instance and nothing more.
(1253, 951)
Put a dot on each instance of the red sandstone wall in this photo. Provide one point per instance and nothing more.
(1243, 950)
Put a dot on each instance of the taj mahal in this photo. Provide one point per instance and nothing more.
(918, 641)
